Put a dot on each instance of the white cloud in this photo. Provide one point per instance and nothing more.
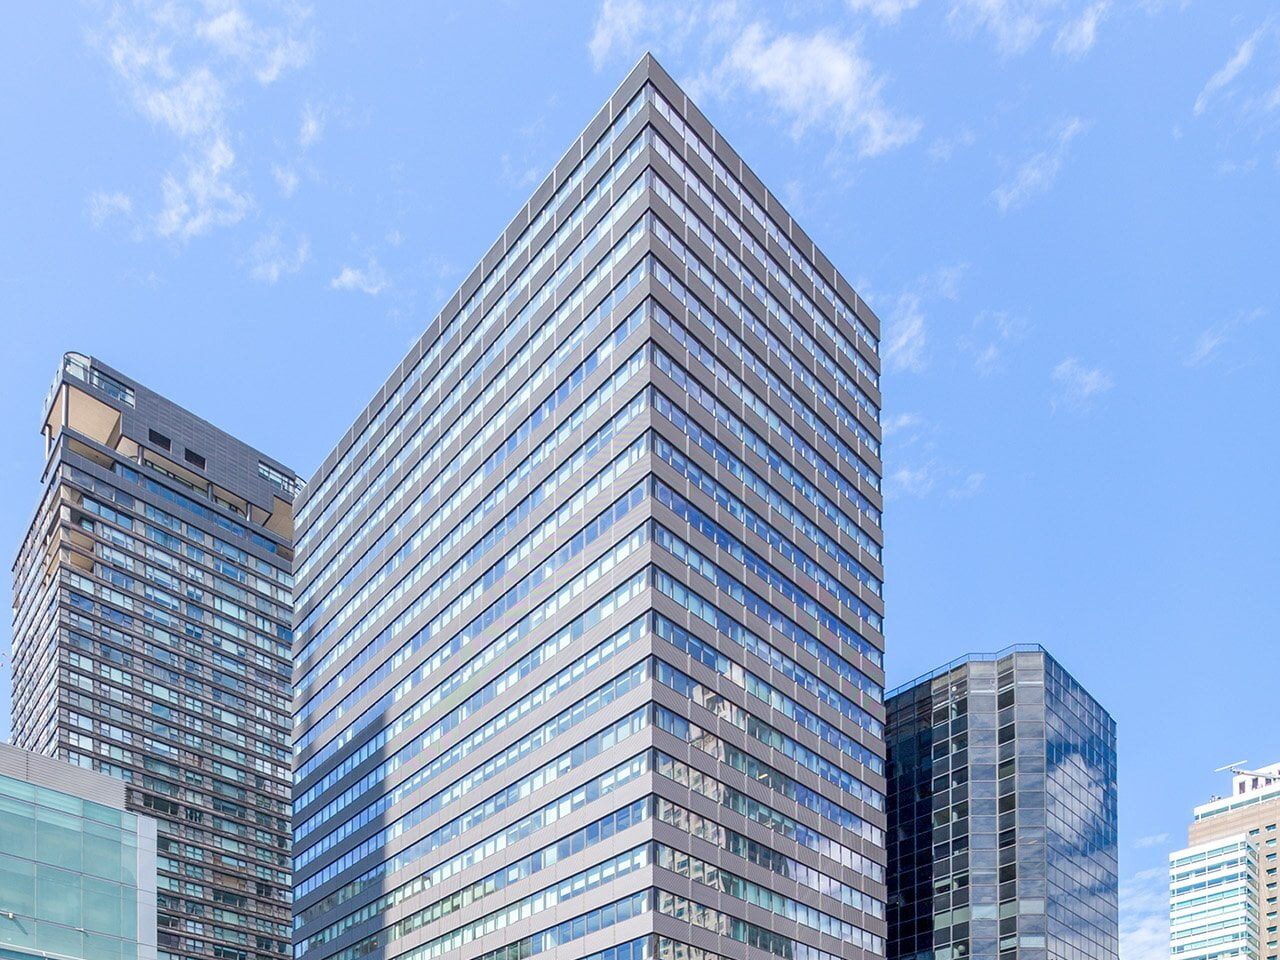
(1144, 915)
(970, 486)
(811, 80)
(915, 482)
(1206, 346)
(1077, 37)
(906, 336)
(369, 279)
(925, 479)
(1037, 174)
(944, 148)
(268, 51)
(1076, 385)
(286, 179)
(890, 11)
(522, 176)
(992, 332)
(1232, 168)
(271, 258)
(618, 25)
(1152, 840)
(186, 71)
(1016, 25)
(1211, 339)
(892, 425)
(202, 195)
(945, 281)
(1228, 72)
(819, 80)
(106, 206)
(311, 127)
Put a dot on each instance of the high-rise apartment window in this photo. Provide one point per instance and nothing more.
(193, 458)
(159, 439)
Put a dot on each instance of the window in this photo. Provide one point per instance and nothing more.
(286, 483)
(159, 439)
(193, 458)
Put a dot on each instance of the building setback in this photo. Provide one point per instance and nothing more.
(152, 608)
(588, 648)
(77, 872)
(1222, 886)
(1002, 814)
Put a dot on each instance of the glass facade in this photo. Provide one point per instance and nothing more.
(77, 876)
(152, 631)
(1002, 814)
(1213, 901)
(589, 658)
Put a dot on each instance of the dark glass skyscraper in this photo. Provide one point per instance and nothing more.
(588, 658)
(1002, 814)
(152, 607)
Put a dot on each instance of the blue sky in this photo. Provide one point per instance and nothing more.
(1065, 211)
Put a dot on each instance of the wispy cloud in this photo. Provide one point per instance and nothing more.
(1144, 915)
(895, 424)
(269, 51)
(990, 335)
(186, 71)
(618, 26)
(823, 81)
(1038, 173)
(889, 11)
(1213, 338)
(286, 179)
(1016, 25)
(923, 480)
(369, 279)
(1229, 71)
(811, 81)
(271, 258)
(916, 482)
(906, 338)
(1076, 385)
(1077, 37)
(310, 127)
(1151, 840)
(970, 486)
(107, 206)
(944, 148)
(521, 175)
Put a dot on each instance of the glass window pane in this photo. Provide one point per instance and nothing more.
(58, 839)
(17, 885)
(57, 896)
(17, 826)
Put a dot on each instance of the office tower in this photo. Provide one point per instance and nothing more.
(151, 636)
(1002, 813)
(77, 872)
(588, 657)
(1222, 887)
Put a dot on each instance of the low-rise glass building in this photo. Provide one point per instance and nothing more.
(77, 871)
(1002, 814)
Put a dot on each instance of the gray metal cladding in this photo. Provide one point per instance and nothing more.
(588, 658)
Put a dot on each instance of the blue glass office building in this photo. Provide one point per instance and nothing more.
(588, 647)
(1002, 814)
